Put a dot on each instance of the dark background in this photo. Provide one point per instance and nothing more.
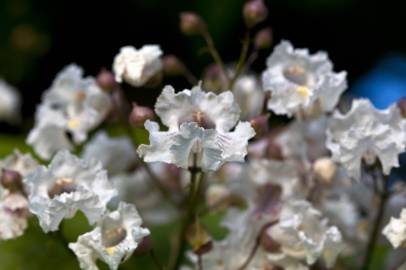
(39, 37)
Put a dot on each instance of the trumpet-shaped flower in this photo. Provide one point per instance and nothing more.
(303, 234)
(113, 240)
(73, 105)
(395, 230)
(249, 96)
(116, 154)
(137, 67)
(68, 184)
(198, 133)
(18, 162)
(9, 102)
(365, 133)
(299, 81)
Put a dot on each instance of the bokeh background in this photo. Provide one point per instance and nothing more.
(39, 37)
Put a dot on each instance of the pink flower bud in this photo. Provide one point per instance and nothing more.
(254, 12)
(105, 79)
(191, 23)
(263, 39)
(260, 124)
(172, 66)
(139, 115)
(11, 180)
(402, 106)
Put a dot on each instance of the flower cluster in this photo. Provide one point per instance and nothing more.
(306, 191)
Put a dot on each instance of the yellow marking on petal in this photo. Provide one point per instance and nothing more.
(110, 250)
(303, 91)
(73, 123)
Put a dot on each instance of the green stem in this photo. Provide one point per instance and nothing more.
(243, 58)
(373, 238)
(196, 184)
(214, 53)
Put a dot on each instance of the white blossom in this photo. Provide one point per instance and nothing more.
(73, 105)
(68, 184)
(199, 127)
(117, 155)
(303, 234)
(395, 230)
(137, 188)
(365, 133)
(10, 102)
(249, 96)
(13, 214)
(299, 81)
(18, 162)
(137, 67)
(113, 240)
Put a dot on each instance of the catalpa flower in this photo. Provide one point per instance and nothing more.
(117, 155)
(9, 102)
(68, 184)
(395, 230)
(299, 81)
(249, 96)
(13, 214)
(137, 67)
(18, 162)
(303, 234)
(365, 133)
(113, 240)
(73, 105)
(198, 133)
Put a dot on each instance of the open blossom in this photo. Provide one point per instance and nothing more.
(117, 155)
(19, 162)
(9, 102)
(395, 231)
(137, 67)
(68, 184)
(299, 81)
(13, 214)
(199, 125)
(304, 235)
(249, 96)
(113, 240)
(136, 188)
(365, 133)
(73, 105)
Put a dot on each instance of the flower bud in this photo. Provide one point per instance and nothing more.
(140, 114)
(105, 79)
(172, 66)
(263, 39)
(191, 23)
(199, 238)
(11, 180)
(268, 243)
(260, 125)
(254, 12)
(274, 150)
(325, 169)
(402, 106)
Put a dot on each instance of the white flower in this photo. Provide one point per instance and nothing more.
(137, 67)
(304, 234)
(18, 162)
(395, 230)
(367, 133)
(199, 127)
(73, 105)
(299, 81)
(10, 102)
(249, 96)
(280, 173)
(68, 184)
(116, 154)
(13, 214)
(112, 241)
(137, 188)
